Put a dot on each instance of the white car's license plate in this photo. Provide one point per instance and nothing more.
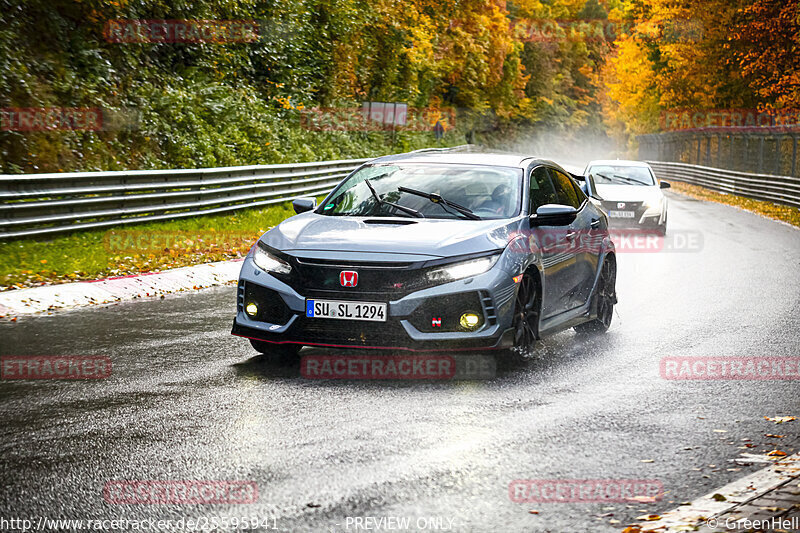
(621, 214)
(372, 311)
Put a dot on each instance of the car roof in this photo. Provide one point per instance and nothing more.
(489, 158)
(618, 163)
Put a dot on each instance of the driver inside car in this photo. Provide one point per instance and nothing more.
(499, 199)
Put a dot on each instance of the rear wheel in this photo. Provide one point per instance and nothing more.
(526, 317)
(605, 297)
(281, 351)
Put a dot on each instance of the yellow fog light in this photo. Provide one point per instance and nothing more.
(469, 321)
(251, 309)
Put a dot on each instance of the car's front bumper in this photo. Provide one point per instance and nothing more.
(643, 217)
(410, 317)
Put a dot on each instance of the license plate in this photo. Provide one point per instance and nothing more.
(372, 311)
(621, 214)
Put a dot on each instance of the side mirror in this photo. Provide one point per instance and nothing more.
(554, 215)
(301, 205)
(665, 185)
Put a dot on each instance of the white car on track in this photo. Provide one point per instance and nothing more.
(630, 193)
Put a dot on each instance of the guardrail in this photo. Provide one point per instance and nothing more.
(41, 204)
(778, 189)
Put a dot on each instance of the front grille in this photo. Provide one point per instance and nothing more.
(271, 307)
(629, 206)
(349, 332)
(319, 278)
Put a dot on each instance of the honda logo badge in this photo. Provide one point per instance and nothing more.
(348, 278)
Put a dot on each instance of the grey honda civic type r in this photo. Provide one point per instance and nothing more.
(432, 251)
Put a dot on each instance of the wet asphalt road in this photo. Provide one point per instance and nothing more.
(187, 401)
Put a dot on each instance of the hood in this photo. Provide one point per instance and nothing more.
(312, 234)
(629, 193)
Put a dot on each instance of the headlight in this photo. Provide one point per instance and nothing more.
(653, 207)
(461, 270)
(269, 263)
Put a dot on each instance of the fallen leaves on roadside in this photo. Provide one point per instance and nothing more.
(533, 512)
(649, 517)
(781, 419)
(771, 436)
(719, 498)
(632, 529)
(647, 461)
(776, 453)
(642, 499)
(773, 509)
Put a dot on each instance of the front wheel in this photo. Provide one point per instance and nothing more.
(606, 297)
(526, 318)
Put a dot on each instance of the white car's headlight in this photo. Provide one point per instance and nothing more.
(461, 270)
(653, 207)
(269, 263)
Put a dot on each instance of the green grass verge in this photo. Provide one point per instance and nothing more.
(134, 248)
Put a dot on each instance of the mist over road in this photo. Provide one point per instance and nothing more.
(187, 401)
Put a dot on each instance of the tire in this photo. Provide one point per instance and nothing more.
(605, 298)
(285, 352)
(662, 229)
(526, 318)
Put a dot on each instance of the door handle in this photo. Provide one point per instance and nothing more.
(595, 223)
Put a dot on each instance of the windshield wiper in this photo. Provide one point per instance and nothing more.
(618, 177)
(408, 210)
(640, 182)
(437, 199)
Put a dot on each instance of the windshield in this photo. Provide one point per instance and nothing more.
(430, 191)
(621, 175)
